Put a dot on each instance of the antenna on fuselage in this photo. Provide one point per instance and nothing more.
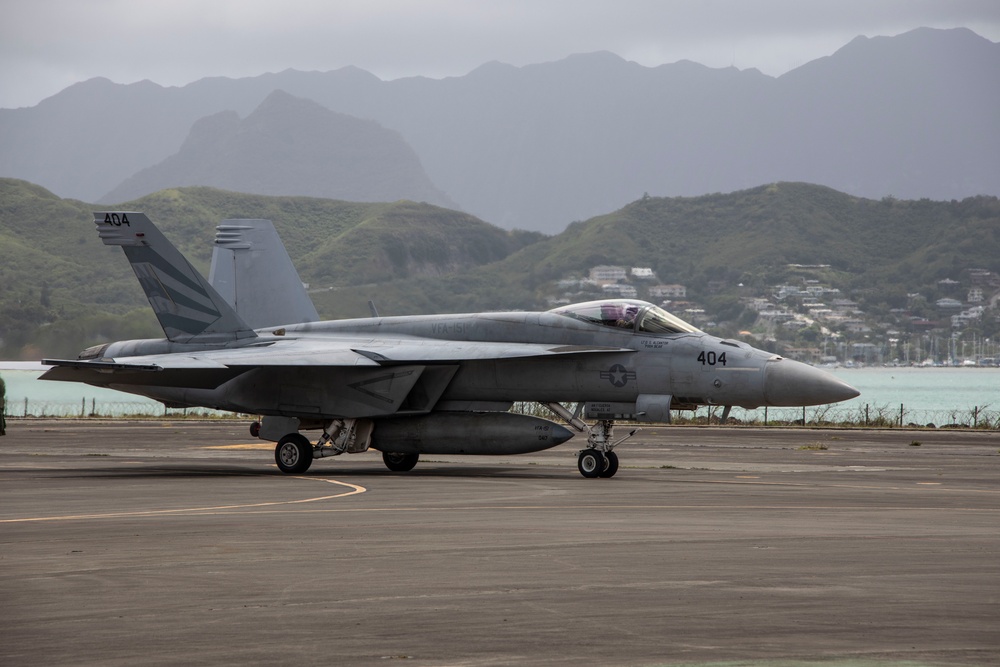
(372, 308)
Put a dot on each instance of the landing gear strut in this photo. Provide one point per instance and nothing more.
(294, 453)
(599, 459)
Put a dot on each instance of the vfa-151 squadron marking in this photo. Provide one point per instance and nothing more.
(249, 340)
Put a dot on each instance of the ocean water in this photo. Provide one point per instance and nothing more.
(927, 395)
(924, 388)
(29, 396)
(924, 395)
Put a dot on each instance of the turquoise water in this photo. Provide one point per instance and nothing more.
(938, 395)
(926, 395)
(27, 395)
(924, 388)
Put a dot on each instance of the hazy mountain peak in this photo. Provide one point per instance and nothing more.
(537, 146)
(290, 146)
(490, 68)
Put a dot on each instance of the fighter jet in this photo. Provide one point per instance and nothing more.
(249, 341)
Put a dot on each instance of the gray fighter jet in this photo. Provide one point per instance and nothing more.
(249, 341)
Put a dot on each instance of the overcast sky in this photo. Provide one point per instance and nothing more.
(47, 45)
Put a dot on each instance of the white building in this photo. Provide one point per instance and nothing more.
(973, 314)
(668, 292)
(624, 291)
(607, 274)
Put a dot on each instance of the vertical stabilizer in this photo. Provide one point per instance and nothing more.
(186, 305)
(252, 270)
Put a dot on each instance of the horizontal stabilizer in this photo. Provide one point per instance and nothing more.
(108, 373)
(106, 366)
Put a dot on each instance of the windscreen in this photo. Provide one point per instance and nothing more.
(627, 314)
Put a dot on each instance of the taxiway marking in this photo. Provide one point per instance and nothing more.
(355, 489)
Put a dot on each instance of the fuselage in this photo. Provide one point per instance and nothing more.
(621, 365)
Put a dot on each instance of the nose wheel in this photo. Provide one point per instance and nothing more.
(591, 463)
(610, 465)
(595, 463)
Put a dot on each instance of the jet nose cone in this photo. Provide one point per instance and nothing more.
(790, 383)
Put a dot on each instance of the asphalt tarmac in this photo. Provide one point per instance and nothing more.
(180, 543)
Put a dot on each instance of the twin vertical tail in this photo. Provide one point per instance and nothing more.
(252, 271)
(186, 305)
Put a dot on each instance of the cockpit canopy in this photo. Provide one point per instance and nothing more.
(628, 314)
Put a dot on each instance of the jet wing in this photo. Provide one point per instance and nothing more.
(344, 351)
(211, 368)
(204, 370)
(428, 352)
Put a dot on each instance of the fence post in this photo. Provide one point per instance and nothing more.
(765, 415)
(83, 407)
(975, 416)
(25, 406)
(900, 415)
(867, 422)
(803, 415)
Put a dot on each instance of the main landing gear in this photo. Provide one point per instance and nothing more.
(294, 453)
(397, 462)
(599, 459)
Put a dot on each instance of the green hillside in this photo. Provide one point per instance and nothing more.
(884, 249)
(61, 289)
(741, 235)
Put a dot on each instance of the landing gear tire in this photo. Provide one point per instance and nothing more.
(293, 454)
(591, 463)
(610, 465)
(397, 462)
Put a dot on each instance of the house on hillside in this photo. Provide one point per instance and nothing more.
(607, 274)
(668, 292)
(623, 291)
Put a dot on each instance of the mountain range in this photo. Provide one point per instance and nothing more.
(291, 146)
(537, 147)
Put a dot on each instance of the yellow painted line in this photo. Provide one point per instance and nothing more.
(930, 483)
(355, 489)
(747, 477)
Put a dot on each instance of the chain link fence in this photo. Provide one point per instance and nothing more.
(94, 408)
(863, 416)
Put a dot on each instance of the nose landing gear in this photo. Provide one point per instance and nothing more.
(599, 459)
